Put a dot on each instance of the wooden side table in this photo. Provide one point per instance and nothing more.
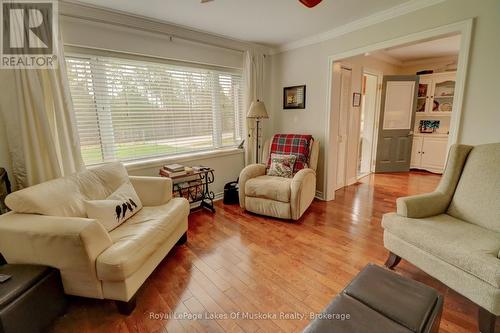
(195, 187)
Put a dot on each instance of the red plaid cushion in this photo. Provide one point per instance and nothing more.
(292, 144)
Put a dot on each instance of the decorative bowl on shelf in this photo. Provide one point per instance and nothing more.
(445, 107)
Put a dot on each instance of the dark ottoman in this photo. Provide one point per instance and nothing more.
(31, 299)
(379, 300)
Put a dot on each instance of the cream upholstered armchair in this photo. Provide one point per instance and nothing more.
(453, 233)
(285, 198)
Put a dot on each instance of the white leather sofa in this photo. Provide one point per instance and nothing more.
(285, 198)
(48, 226)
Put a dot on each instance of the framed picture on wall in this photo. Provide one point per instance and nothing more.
(356, 99)
(294, 97)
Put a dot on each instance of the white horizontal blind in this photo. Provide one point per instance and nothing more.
(128, 109)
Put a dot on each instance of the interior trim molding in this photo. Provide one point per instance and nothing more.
(78, 10)
(384, 15)
(319, 196)
(464, 28)
(436, 60)
(386, 58)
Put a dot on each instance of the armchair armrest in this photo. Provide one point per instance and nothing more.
(249, 172)
(303, 192)
(153, 191)
(423, 205)
(70, 244)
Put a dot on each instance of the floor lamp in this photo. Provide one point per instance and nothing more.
(257, 111)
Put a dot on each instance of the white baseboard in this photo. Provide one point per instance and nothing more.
(320, 196)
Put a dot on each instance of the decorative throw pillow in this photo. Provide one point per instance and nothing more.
(292, 144)
(115, 209)
(281, 165)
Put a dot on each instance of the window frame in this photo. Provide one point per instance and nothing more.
(217, 133)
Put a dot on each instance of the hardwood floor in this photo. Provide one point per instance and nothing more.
(236, 262)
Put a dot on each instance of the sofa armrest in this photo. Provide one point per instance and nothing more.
(423, 205)
(303, 192)
(153, 191)
(248, 172)
(70, 244)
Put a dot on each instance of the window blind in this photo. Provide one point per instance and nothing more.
(129, 110)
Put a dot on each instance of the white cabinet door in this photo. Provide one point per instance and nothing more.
(424, 99)
(443, 92)
(434, 153)
(416, 150)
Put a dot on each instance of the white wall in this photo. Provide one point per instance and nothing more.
(91, 27)
(227, 168)
(309, 65)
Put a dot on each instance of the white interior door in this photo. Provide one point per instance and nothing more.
(345, 106)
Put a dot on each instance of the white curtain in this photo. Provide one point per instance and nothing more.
(254, 85)
(40, 123)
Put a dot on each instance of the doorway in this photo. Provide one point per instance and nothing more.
(367, 128)
(359, 123)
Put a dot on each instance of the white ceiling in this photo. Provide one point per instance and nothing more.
(436, 48)
(270, 22)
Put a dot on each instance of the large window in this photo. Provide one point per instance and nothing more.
(129, 110)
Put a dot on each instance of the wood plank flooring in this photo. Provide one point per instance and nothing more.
(240, 265)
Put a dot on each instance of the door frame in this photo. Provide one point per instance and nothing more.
(344, 159)
(464, 28)
(378, 99)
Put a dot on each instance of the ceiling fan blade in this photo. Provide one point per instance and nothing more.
(310, 3)
(205, 1)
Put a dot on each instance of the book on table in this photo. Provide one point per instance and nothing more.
(170, 174)
(174, 167)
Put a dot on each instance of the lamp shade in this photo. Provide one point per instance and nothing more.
(257, 110)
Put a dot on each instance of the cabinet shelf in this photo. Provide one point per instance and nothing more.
(434, 113)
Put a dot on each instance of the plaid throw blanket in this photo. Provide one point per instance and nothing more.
(292, 144)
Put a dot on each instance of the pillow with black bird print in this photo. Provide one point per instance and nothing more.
(115, 209)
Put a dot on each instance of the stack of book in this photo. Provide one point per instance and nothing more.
(173, 170)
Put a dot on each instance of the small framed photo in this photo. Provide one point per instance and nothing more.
(356, 99)
(294, 97)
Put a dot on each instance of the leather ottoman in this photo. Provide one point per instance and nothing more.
(31, 299)
(379, 300)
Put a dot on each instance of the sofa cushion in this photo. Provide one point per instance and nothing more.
(66, 196)
(115, 209)
(269, 187)
(138, 238)
(476, 198)
(464, 245)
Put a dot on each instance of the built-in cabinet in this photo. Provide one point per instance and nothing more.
(435, 94)
(429, 152)
(434, 109)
